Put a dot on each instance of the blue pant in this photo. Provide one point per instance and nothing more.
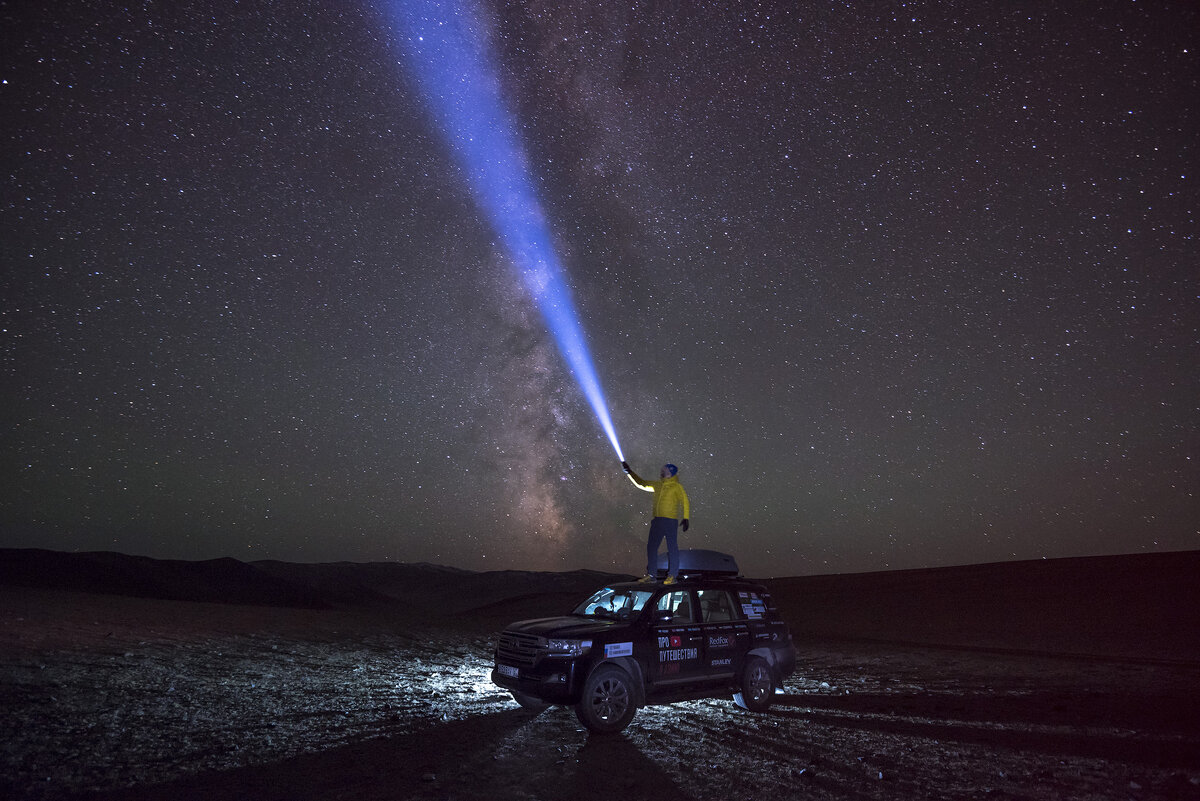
(661, 527)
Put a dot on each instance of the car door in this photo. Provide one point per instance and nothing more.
(754, 609)
(725, 634)
(678, 639)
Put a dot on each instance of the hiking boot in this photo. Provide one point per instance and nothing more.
(646, 579)
(670, 580)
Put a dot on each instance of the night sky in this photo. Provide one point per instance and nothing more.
(895, 285)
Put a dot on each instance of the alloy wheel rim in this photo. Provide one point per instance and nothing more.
(610, 699)
(760, 682)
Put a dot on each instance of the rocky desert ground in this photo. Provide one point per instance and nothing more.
(120, 697)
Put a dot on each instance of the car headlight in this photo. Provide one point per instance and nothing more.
(568, 647)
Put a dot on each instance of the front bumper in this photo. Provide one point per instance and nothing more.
(553, 682)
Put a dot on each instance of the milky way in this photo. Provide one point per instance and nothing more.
(895, 285)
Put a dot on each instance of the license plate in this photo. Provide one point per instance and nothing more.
(505, 670)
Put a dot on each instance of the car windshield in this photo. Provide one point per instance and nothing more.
(618, 603)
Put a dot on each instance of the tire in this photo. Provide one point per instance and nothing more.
(757, 686)
(530, 703)
(608, 702)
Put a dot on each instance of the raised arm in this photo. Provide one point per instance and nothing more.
(637, 480)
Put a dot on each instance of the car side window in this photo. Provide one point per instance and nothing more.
(679, 604)
(715, 606)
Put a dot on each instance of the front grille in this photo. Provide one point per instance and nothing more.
(520, 649)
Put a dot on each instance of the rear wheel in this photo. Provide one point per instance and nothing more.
(757, 686)
(607, 704)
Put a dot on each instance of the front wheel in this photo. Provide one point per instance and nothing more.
(607, 704)
(757, 686)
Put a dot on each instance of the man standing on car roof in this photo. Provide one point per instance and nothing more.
(669, 496)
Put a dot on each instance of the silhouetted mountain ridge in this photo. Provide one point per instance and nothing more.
(1144, 606)
(436, 590)
(224, 580)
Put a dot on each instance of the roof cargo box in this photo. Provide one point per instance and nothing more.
(696, 562)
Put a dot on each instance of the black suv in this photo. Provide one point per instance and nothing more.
(633, 644)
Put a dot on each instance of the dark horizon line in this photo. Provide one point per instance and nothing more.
(453, 568)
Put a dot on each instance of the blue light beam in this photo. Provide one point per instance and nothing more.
(447, 51)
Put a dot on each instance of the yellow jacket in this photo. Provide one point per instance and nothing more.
(668, 495)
